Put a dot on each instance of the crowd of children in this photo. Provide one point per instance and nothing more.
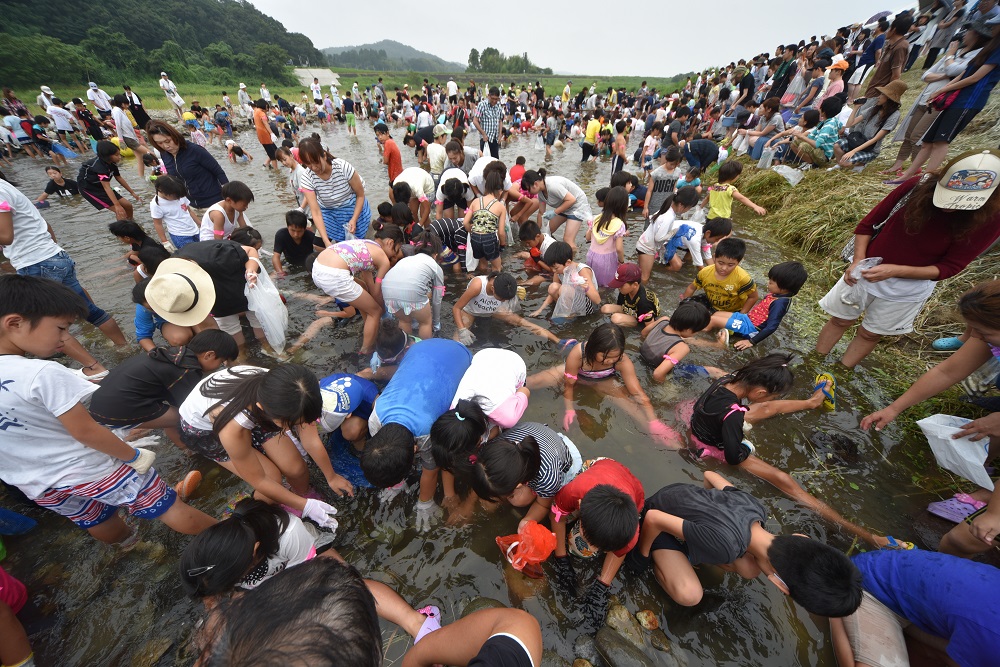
(422, 412)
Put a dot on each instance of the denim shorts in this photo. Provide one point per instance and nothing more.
(62, 269)
(181, 241)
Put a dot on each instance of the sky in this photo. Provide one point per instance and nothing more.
(587, 40)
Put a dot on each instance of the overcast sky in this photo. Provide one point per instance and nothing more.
(589, 39)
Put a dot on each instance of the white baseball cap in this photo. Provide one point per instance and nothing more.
(968, 181)
(163, 73)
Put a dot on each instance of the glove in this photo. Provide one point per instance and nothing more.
(568, 419)
(142, 461)
(664, 434)
(427, 510)
(636, 563)
(522, 293)
(749, 445)
(595, 604)
(466, 337)
(321, 513)
(437, 326)
(170, 247)
(389, 494)
(565, 575)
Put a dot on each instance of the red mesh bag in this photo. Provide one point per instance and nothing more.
(529, 548)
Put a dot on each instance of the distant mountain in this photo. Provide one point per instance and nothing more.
(389, 55)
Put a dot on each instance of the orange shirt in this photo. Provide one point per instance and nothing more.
(395, 161)
(263, 129)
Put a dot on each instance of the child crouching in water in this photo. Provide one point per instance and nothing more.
(720, 417)
(664, 342)
(783, 282)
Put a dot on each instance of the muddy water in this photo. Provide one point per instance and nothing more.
(92, 606)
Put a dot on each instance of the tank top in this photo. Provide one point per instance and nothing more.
(207, 231)
(594, 374)
(657, 344)
(485, 221)
(356, 254)
(483, 303)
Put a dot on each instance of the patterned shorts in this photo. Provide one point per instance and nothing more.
(207, 443)
(91, 503)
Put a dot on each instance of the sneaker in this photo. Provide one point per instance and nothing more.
(833, 168)
(949, 344)
(805, 167)
(95, 378)
(186, 488)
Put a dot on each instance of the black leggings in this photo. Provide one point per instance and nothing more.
(932, 55)
(589, 151)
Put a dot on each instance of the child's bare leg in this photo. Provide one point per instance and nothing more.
(783, 482)
(675, 263)
(315, 298)
(760, 411)
(676, 576)
(645, 266)
(620, 396)
(113, 332)
(14, 645)
(111, 531)
(536, 279)
(372, 312)
(496, 264)
(176, 335)
(77, 352)
(311, 331)
(425, 322)
(393, 608)
(548, 378)
(519, 321)
(185, 519)
(623, 320)
(718, 320)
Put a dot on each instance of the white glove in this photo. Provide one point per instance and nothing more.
(466, 337)
(170, 247)
(426, 511)
(143, 460)
(749, 445)
(321, 513)
(389, 494)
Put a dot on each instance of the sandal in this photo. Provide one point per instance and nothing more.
(830, 392)
(186, 488)
(430, 624)
(898, 545)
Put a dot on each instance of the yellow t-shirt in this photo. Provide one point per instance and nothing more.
(593, 127)
(720, 200)
(729, 293)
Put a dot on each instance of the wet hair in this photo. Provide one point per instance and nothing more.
(155, 127)
(214, 340)
(528, 231)
(502, 464)
(821, 579)
(608, 517)
(810, 118)
(981, 304)
(504, 285)
(318, 613)
(771, 373)
(216, 559)
(388, 456)
(246, 236)
(601, 195)
(426, 242)
(34, 298)
(606, 338)
(402, 192)
(237, 191)
(456, 435)
(106, 149)
(730, 169)
(789, 276)
(559, 252)
(171, 186)
(690, 316)
(129, 228)
(718, 227)
(454, 189)
(288, 393)
(152, 255)
(296, 218)
(384, 209)
(615, 206)
(401, 214)
(390, 341)
(831, 106)
(531, 177)
(732, 248)
(492, 179)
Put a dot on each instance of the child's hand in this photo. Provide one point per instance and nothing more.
(742, 345)
(340, 485)
(142, 461)
(759, 210)
(568, 419)
(321, 513)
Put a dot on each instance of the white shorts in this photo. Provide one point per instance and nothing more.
(882, 317)
(231, 323)
(876, 634)
(338, 283)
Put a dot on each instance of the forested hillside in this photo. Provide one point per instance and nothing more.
(389, 56)
(194, 40)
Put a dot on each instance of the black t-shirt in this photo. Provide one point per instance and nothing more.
(718, 423)
(225, 262)
(706, 150)
(295, 253)
(501, 651)
(639, 304)
(747, 87)
(67, 189)
(425, 134)
(140, 384)
(348, 105)
(716, 521)
(94, 172)
(668, 136)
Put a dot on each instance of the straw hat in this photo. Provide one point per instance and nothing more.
(893, 90)
(968, 181)
(181, 292)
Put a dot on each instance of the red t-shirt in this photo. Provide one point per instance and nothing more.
(395, 163)
(516, 172)
(605, 471)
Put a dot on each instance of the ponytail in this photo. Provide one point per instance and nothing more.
(771, 373)
(288, 393)
(456, 435)
(426, 242)
(531, 177)
(502, 465)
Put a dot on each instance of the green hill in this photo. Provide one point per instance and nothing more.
(390, 56)
(194, 40)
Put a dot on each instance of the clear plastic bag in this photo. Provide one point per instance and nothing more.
(572, 299)
(265, 302)
(539, 143)
(766, 157)
(858, 292)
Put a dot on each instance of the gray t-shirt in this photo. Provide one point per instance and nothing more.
(664, 183)
(556, 189)
(716, 521)
(871, 124)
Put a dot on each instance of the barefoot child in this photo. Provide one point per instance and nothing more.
(486, 223)
(727, 285)
(720, 196)
(537, 243)
(52, 449)
(414, 287)
(712, 233)
(223, 217)
(663, 226)
(495, 295)
(95, 177)
(568, 274)
(783, 282)
(295, 242)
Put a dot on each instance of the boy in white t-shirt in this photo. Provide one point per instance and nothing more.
(175, 222)
(50, 446)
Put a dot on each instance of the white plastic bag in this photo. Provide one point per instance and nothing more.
(766, 157)
(858, 292)
(572, 296)
(265, 302)
(539, 143)
(793, 176)
(961, 456)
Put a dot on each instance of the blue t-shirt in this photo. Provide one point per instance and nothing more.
(345, 395)
(146, 322)
(424, 385)
(868, 57)
(976, 95)
(949, 597)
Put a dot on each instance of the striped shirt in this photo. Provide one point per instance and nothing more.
(489, 119)
(335, 191)
(555, 460)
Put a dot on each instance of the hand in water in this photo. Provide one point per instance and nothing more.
(340, 485)
(665, 435)
(427, 513)
(595, 604)
(565, 574)
(568, 419)
(321, 513)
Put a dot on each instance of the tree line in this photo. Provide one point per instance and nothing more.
(492, 61)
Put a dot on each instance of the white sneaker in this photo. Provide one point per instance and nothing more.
(833, 168)
(95, 378)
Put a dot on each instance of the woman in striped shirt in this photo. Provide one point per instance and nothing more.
(335, 194)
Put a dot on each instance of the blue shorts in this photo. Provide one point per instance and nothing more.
(181, 241)
(741, 324)
(89, 504)
(688, 371)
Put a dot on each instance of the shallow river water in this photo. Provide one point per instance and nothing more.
(92, 606)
